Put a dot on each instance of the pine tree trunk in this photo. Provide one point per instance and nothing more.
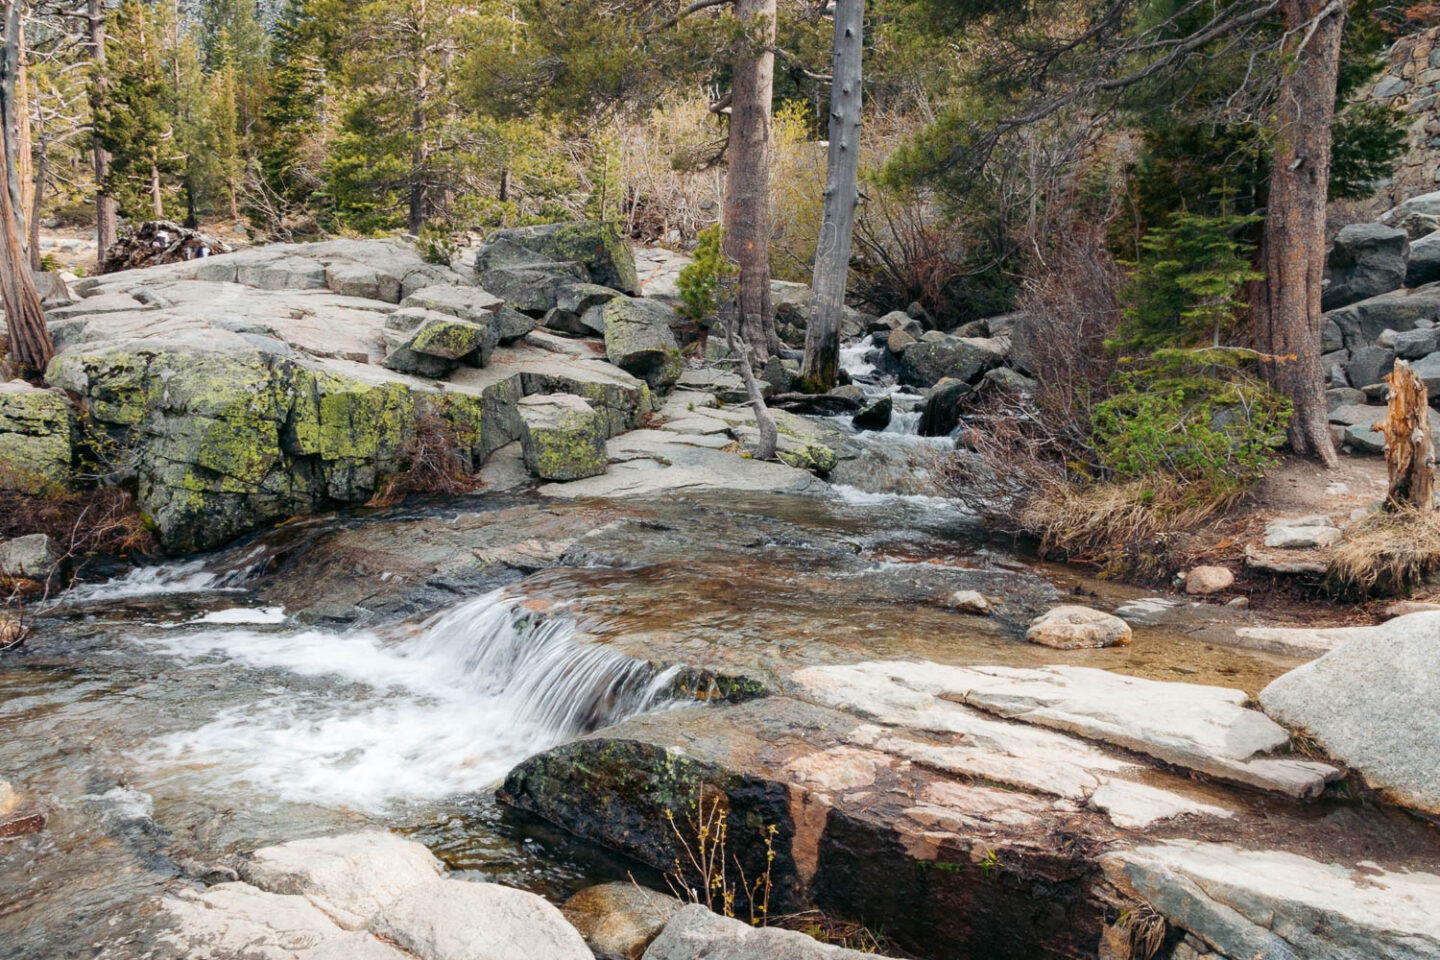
(37, 199)
(821, 368)
(1288, 319)
(157, 203)
(106, 212)
(24, 162)
(30, 345)
(1409, 447)
(747, 182)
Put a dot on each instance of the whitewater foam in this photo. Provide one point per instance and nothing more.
(358, 721)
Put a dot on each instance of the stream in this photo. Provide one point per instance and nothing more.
(321, 677)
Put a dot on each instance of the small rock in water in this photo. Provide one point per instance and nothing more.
(1071, 627)
(1239, 603)
(970, 601)
(876, 416)
(619, 919)
(1203, 581)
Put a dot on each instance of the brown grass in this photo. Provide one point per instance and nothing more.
(1387, 554)
(1114, 525)
(438, 463)
(102, 520)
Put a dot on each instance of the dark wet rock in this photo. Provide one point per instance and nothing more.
(944, 404)
(779, 374)
(926, 363)
(1368, 259)
(606, 258)
(816, 404)
(876, 416)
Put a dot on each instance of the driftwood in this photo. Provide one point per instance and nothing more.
(1409, 447)
(156, 242)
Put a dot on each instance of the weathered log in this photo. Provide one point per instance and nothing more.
(1409, 447)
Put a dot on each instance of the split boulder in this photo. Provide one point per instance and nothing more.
(562, 437)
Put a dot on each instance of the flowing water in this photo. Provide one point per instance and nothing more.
(343, 672)
(161, 724)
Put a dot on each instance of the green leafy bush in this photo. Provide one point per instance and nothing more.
(1192, 416)
(438, 247)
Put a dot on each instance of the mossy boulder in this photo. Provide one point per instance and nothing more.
(606, 256)
(562, 437)
(815, 457)
(638, 339)
(219, 444)
(36, 438)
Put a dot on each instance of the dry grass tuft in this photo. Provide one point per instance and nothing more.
(1113, 525)
(438, 463)
(1387, 554)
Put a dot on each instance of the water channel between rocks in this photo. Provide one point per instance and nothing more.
(187, 712)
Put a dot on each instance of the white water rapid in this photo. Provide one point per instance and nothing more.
(358, 721)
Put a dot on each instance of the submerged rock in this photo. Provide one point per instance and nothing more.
(1069, 627)
(1373, 702)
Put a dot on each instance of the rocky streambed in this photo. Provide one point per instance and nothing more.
(631, 630)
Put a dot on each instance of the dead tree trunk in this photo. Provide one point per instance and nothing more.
(1409, 447)
(821, 368)
(37, 197)
(106, 211)
(1288, 318)
(30, 345)
(727, 306)
(747, 182)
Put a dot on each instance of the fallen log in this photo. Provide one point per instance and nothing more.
(159, 241)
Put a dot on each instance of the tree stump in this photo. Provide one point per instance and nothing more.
(1409, 448)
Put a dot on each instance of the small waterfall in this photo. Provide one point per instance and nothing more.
(361, 721)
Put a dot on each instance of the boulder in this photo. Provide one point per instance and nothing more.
(1358, 421)
(577, 298)
(31, 557)
(52, 289)
(562, 436)
(619, 920)
(1071, 627)
(352, 877)
(898, 340)
(695, 932)
(467, 303)
(532, 287)
(1369, 365)
(1424, 264)
(1373, 702)
(1360, 323)
(439, 345)
(1344, 397)
(37, 436)
(943, 405)
(1420, 215)
(1368, 259)
(970, 601)
(925, 364)
(638, 339)
(1006, 380)
(1415, 344)
(1203, 581)
(876, 416)
(457, 920)
(1279, 905)
(604, 255)
(1304, 533)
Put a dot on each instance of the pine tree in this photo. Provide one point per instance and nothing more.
(130, 112)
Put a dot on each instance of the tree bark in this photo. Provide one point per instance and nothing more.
(157, 202)
(747, 182)
(1288, 315)
(37, 198)
(821, 368)
(1409, 448)
(24, 164)
(769, 434)
(106, 211)
(30, 345)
